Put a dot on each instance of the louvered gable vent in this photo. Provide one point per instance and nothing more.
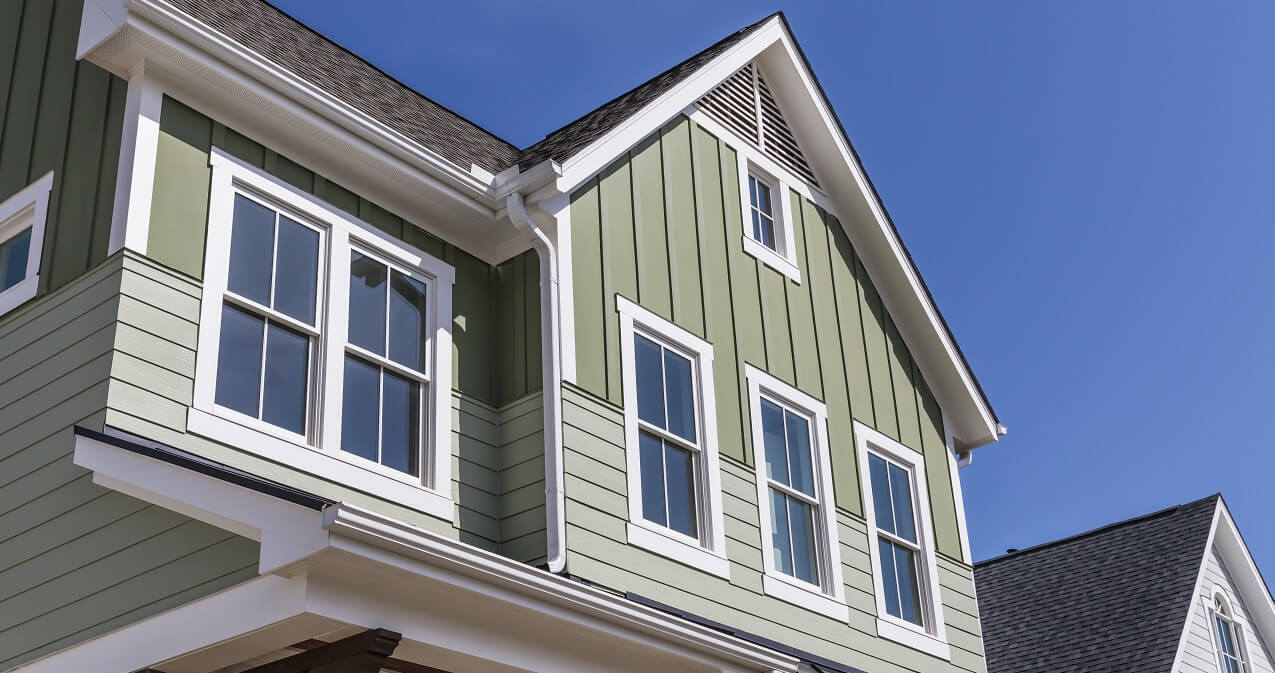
(744, 104)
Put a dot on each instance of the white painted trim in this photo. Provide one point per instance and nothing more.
(1245, 577)
(712, 543)
(319, 452)
(255, 604)
(953, 468)
(933, 638)
(559, 207)
(1238, 627)
(135, 176)
(1195, 591)
(29, 208)
(828, 598)
(667, 543)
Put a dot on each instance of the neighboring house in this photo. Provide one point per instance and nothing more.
(1171, 592)
(290, 353)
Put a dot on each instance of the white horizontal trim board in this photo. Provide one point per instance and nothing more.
(29, 208)
(349, 567)
(318, 451)
(932, 638)
(708, 552)
(828, 596)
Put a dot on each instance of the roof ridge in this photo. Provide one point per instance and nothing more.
(387, 75)
(1101, 529)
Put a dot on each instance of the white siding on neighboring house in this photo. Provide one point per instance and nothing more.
(1200, 655)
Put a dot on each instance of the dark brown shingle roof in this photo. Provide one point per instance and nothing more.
(1111, 600)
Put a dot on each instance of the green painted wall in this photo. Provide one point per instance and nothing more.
(58, 114)
(496, 321)
(597, 512)
(78, 560)
(662, 226)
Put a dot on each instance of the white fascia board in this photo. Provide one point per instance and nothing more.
(256, 604)
(1245, 575)
(879, 244)
(287, 532)
(393, 543)
(1195, 590)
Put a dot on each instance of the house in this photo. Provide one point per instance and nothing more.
(299, 368)
(1175, 591)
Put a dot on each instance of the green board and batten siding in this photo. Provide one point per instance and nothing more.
(662, 227)
(496, 415)
(61, 115)
(78, 560)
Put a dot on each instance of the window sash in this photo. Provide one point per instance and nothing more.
(695, 393)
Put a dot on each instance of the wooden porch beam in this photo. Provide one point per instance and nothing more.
(365, 652)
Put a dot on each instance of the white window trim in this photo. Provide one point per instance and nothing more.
(32, 203)
(709, 552)
(828, 598)
(1239, 627)
(933, 640)
(321, 455)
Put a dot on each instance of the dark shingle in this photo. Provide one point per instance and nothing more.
(1113, 599)
(332, 68)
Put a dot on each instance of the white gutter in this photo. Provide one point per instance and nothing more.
(555, 516)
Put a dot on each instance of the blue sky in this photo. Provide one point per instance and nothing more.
(1088, 187)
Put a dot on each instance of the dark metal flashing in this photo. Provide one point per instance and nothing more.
(809, 661)
(163, 452)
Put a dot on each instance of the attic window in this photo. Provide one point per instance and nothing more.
(744, 104)
(21, 237)
(1230, 643)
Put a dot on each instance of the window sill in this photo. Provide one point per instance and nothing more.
(808, 597)
(348, 470)
(772, 259)
(909, 635)
(18, 294)
(663, 543)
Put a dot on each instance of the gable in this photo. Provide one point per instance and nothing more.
(744, 103)
(1199, 654)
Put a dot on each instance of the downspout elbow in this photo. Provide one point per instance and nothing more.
(551, 356)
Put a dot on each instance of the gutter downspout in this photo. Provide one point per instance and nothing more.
(551, 355)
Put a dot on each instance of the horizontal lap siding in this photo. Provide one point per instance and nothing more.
(597, 513)
(62, 115)
(77, 560)
(1200, 653)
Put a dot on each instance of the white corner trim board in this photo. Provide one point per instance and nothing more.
(318, 450)
(708, 551)
(26, 210)
(135, 177)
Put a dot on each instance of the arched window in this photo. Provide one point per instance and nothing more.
(1230, 648)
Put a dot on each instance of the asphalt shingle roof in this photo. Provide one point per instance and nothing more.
(1111, 600)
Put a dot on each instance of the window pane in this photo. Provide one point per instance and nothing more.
(400, 424)
(407, 321)
(909, 587)
(681, 490)
(772, 431)
(780, 539)
(756, 224)
(752, 191)
(901, 496)
(251, 250)
(879, 473)
(239, 360)
(799, 460)
(801, 522)
(647, 356)
(681, 395)
(367, 303)
(360, 415)
(767, 232)
(652, 458)
(763, 197)
(889, 580)
(287, 377)
(296, 270)
(13, 259)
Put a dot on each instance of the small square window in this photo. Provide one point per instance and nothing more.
(767, 222)
(674, 487)
(22, 218)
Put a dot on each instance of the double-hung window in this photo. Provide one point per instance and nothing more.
(762, 211)
(1228, 637)
(319, 342)
(794, 488)
(22, 219)
(904, 566)
(674, 488)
